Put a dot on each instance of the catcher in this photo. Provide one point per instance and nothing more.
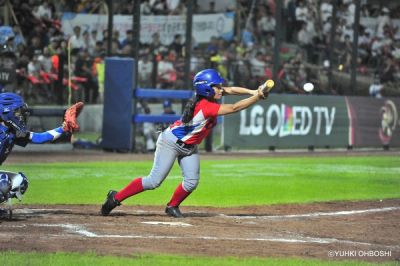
(180, 139)
(13, 130)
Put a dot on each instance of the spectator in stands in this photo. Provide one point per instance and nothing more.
(383, 20)
(325, 10)
(167, 108)
(35, 47)
(266, 27)
(177, 45)
(128, 39)
(83, 68)
(43, 10)
(87, 42)
(166, 71)
(115, 50)
(388, 70)
(99, 49)
(181, 10)
(45, 60)
(149, 132)
(76, 41)
(145, 70)
(93, 36)
(159, 7)
(288, 80)
(34, 67)
(376, 88)
(305, 39)
(172, 5)
(211, 8)
(257, 66)
(301, 14)
(156, 46)
(145, 8)
(53, 45)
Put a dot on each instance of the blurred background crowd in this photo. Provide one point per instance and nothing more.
(33, 31)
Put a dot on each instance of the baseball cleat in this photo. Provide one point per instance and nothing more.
(173, 212)
(110, 203)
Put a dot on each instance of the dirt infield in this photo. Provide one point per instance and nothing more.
(368, 230)
(365, 230)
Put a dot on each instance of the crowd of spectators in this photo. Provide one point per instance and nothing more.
(41, 46)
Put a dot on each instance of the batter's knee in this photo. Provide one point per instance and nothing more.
(151, 183)
(190, 184)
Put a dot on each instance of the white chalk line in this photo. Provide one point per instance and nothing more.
(271, 217)
(179, 224)
(80, 230)
(311, 215)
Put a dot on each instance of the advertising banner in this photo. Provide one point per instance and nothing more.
(374, 122)
(205, 26)
(300, 121)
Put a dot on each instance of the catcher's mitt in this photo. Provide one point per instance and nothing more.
(264, 89)
(70, 123)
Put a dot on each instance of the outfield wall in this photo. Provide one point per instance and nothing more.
(301, 121)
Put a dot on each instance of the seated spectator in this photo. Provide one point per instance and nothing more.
(83, 68)
(145, 7)
(87, 43)
(167, 108)
(305, 39)
(76, 41)
(388, 70)
(128, 39)
(375, 89)
(45, 61)
(177, 45)
(257, 66)
(166, 73)
(149, 133)
(145, 70)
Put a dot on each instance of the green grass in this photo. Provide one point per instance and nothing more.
(223, 183)
(89, 259)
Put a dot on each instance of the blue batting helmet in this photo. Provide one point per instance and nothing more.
(204, 80)
(13, 111)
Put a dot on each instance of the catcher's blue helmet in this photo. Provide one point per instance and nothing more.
(13, 111)
(204, 80)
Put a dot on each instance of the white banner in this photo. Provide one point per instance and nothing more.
(204, 26)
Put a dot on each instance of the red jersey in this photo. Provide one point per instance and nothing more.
(204, 119)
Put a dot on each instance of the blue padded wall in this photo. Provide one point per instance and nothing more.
(118, 98)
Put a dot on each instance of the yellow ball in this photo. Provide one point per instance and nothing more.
(269, 83)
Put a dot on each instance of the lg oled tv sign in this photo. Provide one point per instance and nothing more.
(284, 120)
(298, 121)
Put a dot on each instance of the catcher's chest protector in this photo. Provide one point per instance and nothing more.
(6, 143)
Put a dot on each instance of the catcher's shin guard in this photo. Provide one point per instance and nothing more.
(110, 203)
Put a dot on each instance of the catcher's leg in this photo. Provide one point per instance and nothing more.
(19, 185)
(12, 185)
(190, 166)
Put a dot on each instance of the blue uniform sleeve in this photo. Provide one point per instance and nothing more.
(47, 136)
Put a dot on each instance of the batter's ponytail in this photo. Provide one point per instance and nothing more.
(189, 108)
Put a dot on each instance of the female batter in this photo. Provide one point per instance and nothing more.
(180, 140)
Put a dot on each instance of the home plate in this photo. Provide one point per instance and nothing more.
(169, 223)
